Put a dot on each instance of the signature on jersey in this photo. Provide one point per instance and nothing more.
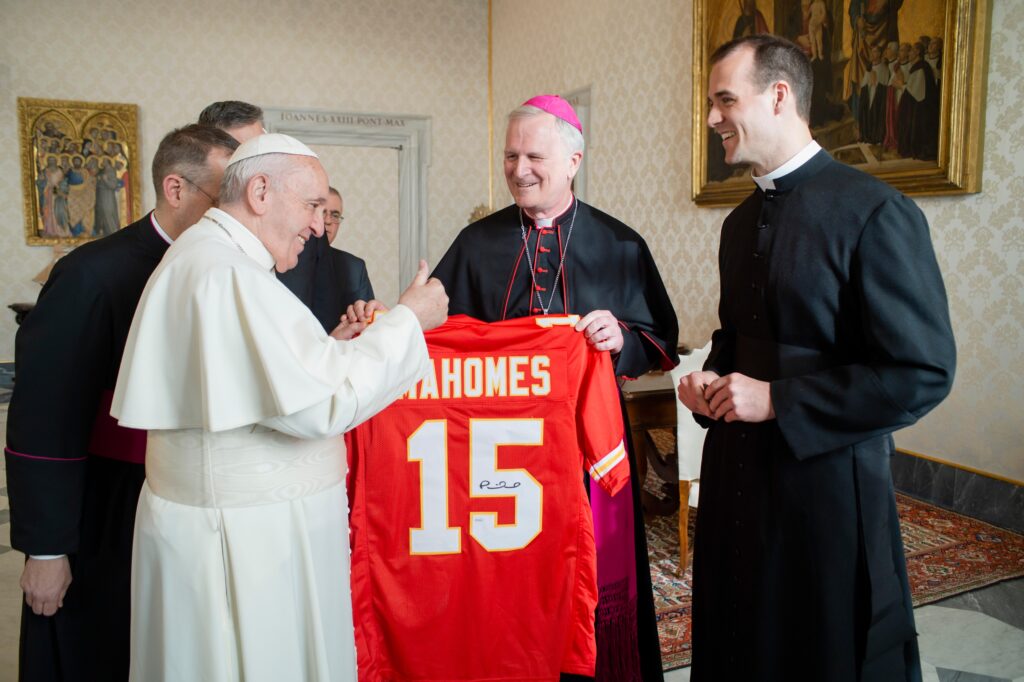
(499, 485)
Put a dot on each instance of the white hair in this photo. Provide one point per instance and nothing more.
(570, 135)
(237, 175)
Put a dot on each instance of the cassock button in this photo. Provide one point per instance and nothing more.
(763, 226)
(754, 315)
(743, 436)
(757, 256)
(753, 285)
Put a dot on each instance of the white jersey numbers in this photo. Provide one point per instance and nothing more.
(428, 445)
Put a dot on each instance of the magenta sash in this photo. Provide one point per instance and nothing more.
(618, 657)
(113, 441)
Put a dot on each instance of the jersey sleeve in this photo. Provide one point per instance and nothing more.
(599, 423)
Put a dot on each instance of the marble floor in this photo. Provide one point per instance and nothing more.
(973, 637)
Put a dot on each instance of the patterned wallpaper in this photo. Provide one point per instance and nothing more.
(637, 58)
(428, 57)
(367, 178)
(414, 57)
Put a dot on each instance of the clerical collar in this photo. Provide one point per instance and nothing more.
(159, 230)
(548, 222)
(247, 242)
(767, 182)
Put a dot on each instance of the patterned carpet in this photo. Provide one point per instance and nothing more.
(946, 554)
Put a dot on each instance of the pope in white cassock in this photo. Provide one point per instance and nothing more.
(240, 567)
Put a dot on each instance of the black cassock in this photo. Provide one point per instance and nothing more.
(74, 475)
(830, 291)
(607, 266)
(351, 279)
(313, 281)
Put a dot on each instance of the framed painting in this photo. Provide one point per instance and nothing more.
(79, 169)
(898, 87)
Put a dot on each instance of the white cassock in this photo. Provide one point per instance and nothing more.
(240, 568)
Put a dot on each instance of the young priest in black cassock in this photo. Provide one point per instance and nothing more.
(834, 333)
(73, 474)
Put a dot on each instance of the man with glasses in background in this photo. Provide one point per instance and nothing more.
(73, 474)
(351, 282)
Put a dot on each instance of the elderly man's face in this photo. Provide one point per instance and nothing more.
(296, 213)
(333, 215)
(538, 167)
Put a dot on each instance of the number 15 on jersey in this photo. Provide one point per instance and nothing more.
(428, 446)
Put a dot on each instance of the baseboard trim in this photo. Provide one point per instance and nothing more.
(977, 494)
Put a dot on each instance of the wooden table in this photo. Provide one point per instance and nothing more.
(651, 404)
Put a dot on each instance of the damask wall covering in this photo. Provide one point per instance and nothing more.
(428, 57)
(636, 56)
(416, 57)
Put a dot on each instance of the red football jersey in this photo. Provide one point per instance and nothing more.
(473, 546)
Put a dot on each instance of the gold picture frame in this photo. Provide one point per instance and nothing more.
(923, 166)
(79, 169)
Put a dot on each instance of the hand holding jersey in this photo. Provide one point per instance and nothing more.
(424, 297)
(602, 331)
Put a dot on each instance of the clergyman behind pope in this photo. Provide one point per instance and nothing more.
(240, 567)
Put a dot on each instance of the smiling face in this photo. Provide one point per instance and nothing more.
(333, 215)
(295, 212)
(741, 115)
(538, 166)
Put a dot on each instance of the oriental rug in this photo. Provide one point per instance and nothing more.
(946, 554)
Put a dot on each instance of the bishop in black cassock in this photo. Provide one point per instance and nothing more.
(74, 474)
(834, 333)
(551, 253)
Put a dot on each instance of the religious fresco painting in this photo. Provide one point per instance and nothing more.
(80, 169)
(898, 87)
